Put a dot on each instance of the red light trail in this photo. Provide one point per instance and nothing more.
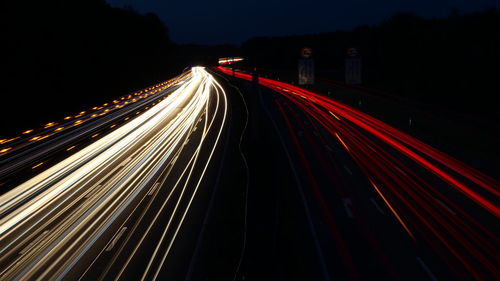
(425, 211)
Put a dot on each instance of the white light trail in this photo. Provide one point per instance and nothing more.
(85, 195)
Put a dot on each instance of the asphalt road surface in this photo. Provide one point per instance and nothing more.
(115, 208)
(210, 176)
(368, 202)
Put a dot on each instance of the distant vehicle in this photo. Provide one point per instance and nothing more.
(229, 60)
(306, 53)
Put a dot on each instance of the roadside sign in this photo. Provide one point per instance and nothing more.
(353, 66)
(352, 52)
(306, 71)
(306, 53)
(255, 76)
(353, 71)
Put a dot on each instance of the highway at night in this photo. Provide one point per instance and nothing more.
(215, 175)
(77, 218)
(249, 140)
(379, 203)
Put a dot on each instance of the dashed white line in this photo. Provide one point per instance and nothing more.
(446, 207)
(426, 269)
(347, 205)
(116, 238)
(92, 192)
(348, 170)
(33, 243)
(401, 171)
(173, 160)
(125, 162)
(377, 206)
(153, 188)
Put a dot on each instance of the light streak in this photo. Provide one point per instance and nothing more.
(367, 140)
(37, 165)
(394, 212)
(126, 159)
(225, 61)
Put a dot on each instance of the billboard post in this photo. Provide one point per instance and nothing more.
(306, 67)
(353, 67)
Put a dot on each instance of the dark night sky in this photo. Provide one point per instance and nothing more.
(233, 21)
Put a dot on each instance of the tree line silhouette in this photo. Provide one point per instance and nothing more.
(452, 61)
(60, 57)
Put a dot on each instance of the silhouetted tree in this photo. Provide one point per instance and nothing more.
(450, 61)
(63, 56)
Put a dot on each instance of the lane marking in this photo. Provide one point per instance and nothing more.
(173, 160)
(123, 163)
(348, 170)
(377, 206)
(70, 148)
(34, 242)
(37, 165)
(153, 188)
(92, 192)
(347, 205)
(116, 238)
(401, 171)
(446, 207)
(426, 269)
